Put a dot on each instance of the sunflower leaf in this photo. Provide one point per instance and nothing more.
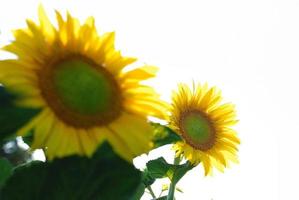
(12, 117)
(147, 178)
(104, 176)
(5, 170)
(159, 168)
(139, 192)
(163, 135)
(180, 170)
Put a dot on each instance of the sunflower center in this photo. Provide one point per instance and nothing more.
(198, 130)
(80, 92)
(82, 88)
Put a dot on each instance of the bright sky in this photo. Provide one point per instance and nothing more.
(249, 49)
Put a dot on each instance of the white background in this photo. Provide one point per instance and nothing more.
(249, 49)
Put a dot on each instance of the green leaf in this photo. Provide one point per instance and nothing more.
(159, 168)
(147, 178)
(12, 117)
(180, 170)
(5, 170)
(105, 176)
(164, 135)
(139, 192)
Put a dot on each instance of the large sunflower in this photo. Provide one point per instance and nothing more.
(205, 127)
(77, 78)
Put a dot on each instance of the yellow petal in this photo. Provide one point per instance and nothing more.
(42, 131)
(97, 135)
(108, 41)
(141, 73)
(74, 142)
(88, 38)
(139, 90)
(72, 27)
(32, 123)
(31, 102)
(45, 24)
(119, 64)
(119, 146)
(38, 35)
(231, 136)
(219, 157)
(54, 141)
(62, 28)
(134, 131)
(207, 165)
(89, 146)
(224, 111)
(63, 147)
(24, 36)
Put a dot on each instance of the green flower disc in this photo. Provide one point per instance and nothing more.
(82, 88)
(197, 128)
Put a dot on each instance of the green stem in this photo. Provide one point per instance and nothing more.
(171, 190)
(152, 192)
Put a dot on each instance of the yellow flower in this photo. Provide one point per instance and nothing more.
(77, 78)
(204, 124)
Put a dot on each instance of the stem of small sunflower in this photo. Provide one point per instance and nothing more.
(152, 192)
(170, 195)
(172, 185)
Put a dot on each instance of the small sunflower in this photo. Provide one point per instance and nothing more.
(204, 124)
(77, 78)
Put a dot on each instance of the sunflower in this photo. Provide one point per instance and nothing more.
(204, 124)
(77, 79)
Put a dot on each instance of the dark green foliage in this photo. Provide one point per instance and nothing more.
(11, 117)
(147, 178)
(139, 192)
(28, 139)
(5, 170)
(105, 176)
